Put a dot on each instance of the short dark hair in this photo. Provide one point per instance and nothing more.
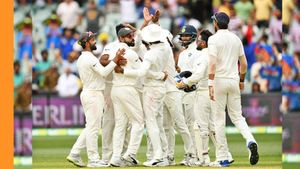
(205, 34)
(222, 25)
(118, 27)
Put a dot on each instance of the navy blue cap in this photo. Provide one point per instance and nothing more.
(221, 18)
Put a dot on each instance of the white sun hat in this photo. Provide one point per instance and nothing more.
(152, 33)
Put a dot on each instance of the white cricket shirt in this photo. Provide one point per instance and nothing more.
(133, 62)
(226, 47)
(91, 72)
(200, 70)
(153, 65)
(187, 58)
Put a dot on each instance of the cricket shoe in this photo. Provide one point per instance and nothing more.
(130, 159)
(206, 160)
(224, 163)
(192, 161)
(183, 162)
(76, 160)
(98, 163)
(117, 162)
(253, 153)
(154, 163)
(171, 161)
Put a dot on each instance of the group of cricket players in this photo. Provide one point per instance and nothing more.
(135, 86)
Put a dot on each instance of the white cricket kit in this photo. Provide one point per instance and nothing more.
(108, 121)
(152, 68)
(92, 75)
(127, 109)
(202, 107)
(173, 112)
(226, 47)
(185, 62)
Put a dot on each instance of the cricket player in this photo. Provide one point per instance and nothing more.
(204, 115)
(187, 36)
(92, 75)
(154, 89)
(173, 112)
(126, 109)
(108, 120)
(108, 116)
(226, 81)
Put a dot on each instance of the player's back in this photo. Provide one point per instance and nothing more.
(227, 48)
(157, 57)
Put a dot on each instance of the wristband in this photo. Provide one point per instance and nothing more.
(210, 82)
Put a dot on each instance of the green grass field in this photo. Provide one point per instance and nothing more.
(51, 151)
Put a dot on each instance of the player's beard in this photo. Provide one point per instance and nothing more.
(93, 46)
(130, 44)
(199, 47)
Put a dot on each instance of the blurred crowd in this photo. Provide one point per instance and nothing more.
(45, 54)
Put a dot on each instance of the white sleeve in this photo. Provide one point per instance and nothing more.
(180, 61)
(103, 71)
(241, 49)
(138, 41)
(212, 56)
(138, 72)
(200, 72)
(212, 48)
(155, 75)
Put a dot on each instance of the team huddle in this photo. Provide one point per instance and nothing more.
(137, 85)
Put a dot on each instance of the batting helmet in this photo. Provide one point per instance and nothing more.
(190, 31)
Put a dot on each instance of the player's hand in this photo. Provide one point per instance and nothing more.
(165, 77)
(177, 69)
(211, 93)
(122, 62)
(180, 85)
(242, 86)
(147, 16)
(119, 55)
(156, 16)
(119, 69)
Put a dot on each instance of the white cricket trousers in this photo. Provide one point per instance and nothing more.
(128, 109)
(204, 118)
(227, 92)
(108, 124)
(173, 115)
(153, 110)
(188, 101)
(92, 103)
